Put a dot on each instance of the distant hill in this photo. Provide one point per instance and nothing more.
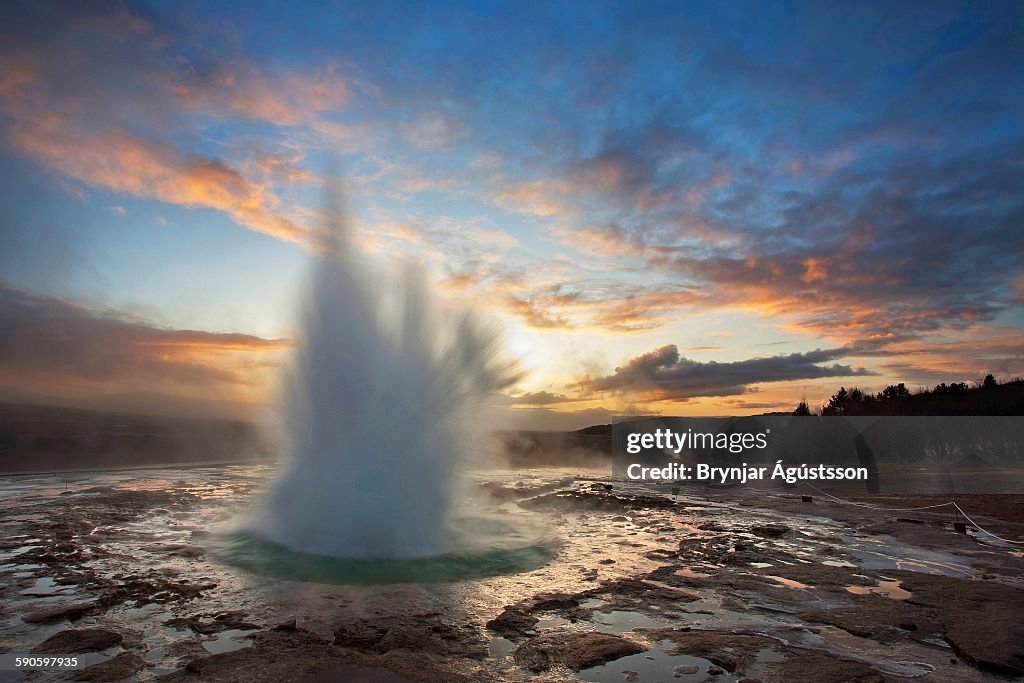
(54, 438)
(590, 446)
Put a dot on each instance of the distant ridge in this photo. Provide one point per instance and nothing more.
(57, 438)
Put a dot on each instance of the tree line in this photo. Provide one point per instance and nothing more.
(986, 397)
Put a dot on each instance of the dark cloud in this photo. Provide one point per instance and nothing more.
(662, 374)
(47, 341)
(541, 398)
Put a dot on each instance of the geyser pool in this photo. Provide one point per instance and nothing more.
(476, 547)
(381, 401)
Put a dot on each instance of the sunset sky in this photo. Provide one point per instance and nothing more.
(688, 208)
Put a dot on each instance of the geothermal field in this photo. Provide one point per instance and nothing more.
(136, 573)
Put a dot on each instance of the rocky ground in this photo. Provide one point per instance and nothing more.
(647, 587)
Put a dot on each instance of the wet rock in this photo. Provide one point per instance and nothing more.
(992, 648)
(71, 612)
(518, 620)
(75, 641)
(117, 669)
(186, 650)
(962, 605)
(273, 656)
(592, 500)
(807, 667)
(513, 622)
(550, 601)
(715, 670)
(429, 632)
(725, 650)
(290, 625)
(520, 490)
(577, 650)
(304, 656)
(769, 530)
(206, 624)
(159, 587)
(357, 674)
(68, 529)
(684, 670)
(425, 668)
(742, 558)
(180, 550)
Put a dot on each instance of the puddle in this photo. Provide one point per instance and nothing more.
(898, 555)
(788, 583)
(136, 613)
(654, 665)
(690, 574)
(47, 586)
(551, 622)
(619, 621)
(937, 642)
(228, 641)
(500, 647)
(864, 650)
(11, 553)
(886, 588)
(839, 563)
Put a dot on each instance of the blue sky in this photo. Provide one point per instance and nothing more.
(692, 208)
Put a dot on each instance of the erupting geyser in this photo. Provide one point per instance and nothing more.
(378, 400)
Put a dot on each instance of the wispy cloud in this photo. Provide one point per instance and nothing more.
(118, 124)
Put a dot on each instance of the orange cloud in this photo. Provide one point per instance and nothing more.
(534, 198)
(75, 130)
(290, 98)
(57, 347)
(124, 163)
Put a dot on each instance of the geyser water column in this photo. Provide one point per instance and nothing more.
(378, 401)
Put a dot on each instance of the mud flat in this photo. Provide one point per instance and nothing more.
(648, 586)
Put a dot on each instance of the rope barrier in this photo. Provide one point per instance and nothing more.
(985, 531)
(924, 507)
(876, 507)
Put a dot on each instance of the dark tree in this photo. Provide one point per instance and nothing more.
(989, 382)
(893, 392)
(838, 403)
(802, 409)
